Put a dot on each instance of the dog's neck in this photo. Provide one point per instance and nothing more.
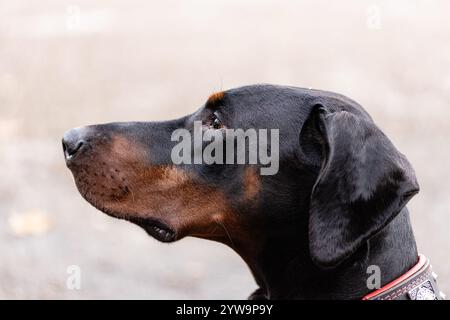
(283, 269)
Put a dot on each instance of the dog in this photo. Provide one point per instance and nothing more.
(335, 206)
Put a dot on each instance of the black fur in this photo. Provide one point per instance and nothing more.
(336, 206)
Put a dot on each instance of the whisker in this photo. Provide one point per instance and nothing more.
(228, 234)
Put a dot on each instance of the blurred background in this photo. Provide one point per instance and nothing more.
(70, 63)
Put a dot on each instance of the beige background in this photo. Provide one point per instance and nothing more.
(65, 64)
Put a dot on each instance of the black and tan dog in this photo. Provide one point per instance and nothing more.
(335, 207)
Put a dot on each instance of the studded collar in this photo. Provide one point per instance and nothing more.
(418, 283)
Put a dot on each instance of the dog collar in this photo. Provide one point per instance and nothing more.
(419, 283)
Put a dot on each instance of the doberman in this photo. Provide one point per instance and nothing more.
(335, 207)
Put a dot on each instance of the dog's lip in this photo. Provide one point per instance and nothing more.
(156, 228)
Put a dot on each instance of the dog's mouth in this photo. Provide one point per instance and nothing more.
(116, 189)
(155, 228)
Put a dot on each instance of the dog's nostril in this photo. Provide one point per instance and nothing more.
(72, 143)
(70, 149)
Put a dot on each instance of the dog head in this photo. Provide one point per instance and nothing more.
(332, 182)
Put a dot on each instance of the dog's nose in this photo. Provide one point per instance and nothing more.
(73, 142)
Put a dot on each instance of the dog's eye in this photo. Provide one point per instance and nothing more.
(215, 122)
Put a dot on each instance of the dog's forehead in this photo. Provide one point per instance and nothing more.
(262, 95)
(278, 99)
(246, 94)
(260, 104)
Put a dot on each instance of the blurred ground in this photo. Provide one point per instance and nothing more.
(65, 64)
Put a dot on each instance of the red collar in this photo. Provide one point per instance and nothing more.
(417, 283)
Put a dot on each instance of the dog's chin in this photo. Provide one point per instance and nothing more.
(156, 228)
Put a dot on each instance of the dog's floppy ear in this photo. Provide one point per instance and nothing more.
(364, 182)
